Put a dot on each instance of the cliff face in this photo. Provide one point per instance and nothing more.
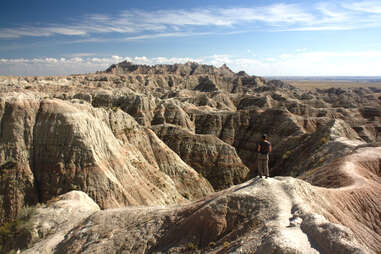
(217, 161)
(167, 135)
(50, 147)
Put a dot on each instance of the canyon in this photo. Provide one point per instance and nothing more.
(162, 159)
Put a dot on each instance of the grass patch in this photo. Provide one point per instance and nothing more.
(192, 246)
(16, 233)
(286, 155)
(324, 140)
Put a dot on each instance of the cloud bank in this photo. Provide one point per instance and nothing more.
(141, 24)
(300, 62)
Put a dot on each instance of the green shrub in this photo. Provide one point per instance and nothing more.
(192, 246)
(26, 213)
(286, 155)
(7, 229)
(324, 140)
(18, 228)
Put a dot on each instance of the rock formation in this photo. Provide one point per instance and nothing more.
(276, 215)
(50, 147)
(156, 142)
(217, 161)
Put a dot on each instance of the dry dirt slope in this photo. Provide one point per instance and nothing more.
(276, 215)
(49, 147)
(96, 133)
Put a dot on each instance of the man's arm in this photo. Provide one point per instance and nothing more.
(259, 148)
(270, 148)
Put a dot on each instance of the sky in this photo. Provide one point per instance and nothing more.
(267, 38)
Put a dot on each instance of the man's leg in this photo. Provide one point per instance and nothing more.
(260, 168)
(266, 168)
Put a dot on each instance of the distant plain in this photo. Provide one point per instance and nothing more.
(332, 82)
(307, 84)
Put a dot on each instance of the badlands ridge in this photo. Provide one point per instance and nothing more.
(161, 159)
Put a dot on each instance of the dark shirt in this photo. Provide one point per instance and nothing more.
(264, 147)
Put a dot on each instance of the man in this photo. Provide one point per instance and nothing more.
(264, 148)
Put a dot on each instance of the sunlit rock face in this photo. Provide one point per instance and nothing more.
(168, 152)
(50, 147)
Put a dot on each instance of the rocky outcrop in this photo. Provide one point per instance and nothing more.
(243, 129)
(355, 182)
(187, 69)
(217, 161)
(206, 85)
(98, 133)
(18, 186)
(206, 78)
(276, 215)
(48, 224)
(140, 106)
(170, 112)
(54, 146)
(332, 139)
(371, 113)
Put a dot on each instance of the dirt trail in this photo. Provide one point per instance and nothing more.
(352, 188)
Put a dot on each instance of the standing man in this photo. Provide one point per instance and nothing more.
(264, 148)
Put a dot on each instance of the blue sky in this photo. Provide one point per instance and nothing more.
(261, 37)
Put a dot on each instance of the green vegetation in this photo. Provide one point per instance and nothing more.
(255, 224)
(294, 172)
(286, 155)
(192, 246)
(18, 228)
(212, 244)
(74, 187)
(324, 140)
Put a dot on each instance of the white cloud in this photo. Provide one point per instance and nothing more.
(319, 28)
(8, 33)
(56, 66)
(323, 63)
(331, 14)
(364, 6)
(173, 60)
(270, 59)
(143, 24)
(162, 35)
(217, 60)
(83, 54)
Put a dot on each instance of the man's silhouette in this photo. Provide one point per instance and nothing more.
(264, 148)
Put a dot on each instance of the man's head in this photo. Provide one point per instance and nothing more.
(264, 136)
